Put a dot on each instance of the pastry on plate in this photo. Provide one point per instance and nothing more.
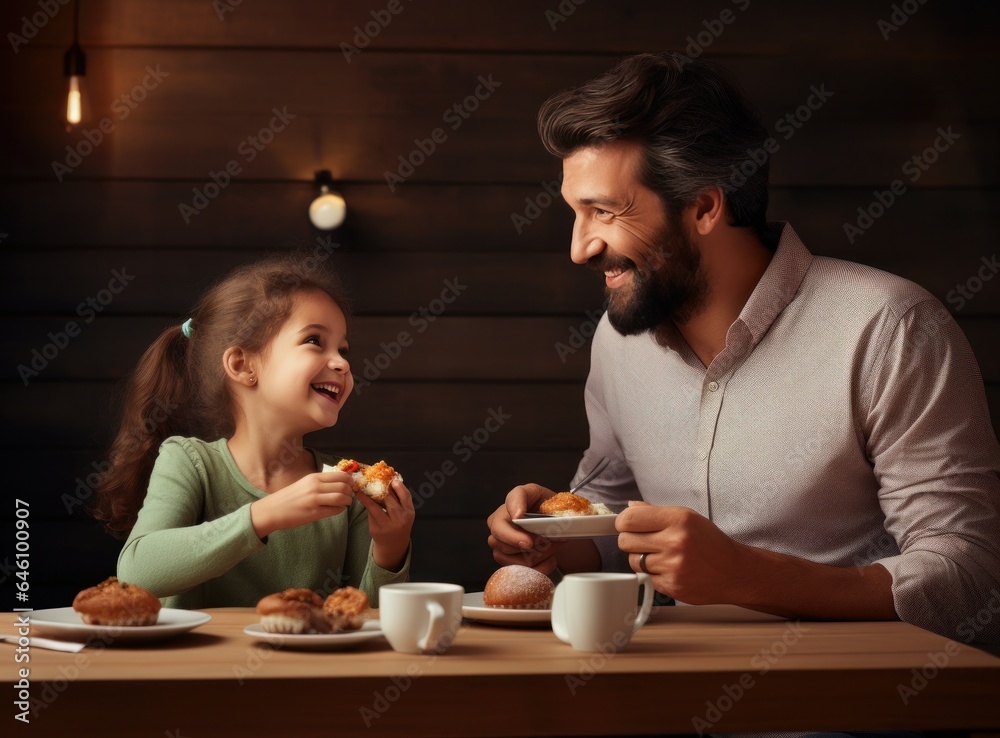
(518, 587)
(117, 603)
(346, 609)
(293, 611)
(567, 504)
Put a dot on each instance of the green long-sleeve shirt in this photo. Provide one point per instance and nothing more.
(194, 546)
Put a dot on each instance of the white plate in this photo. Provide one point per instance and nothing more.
(65, 622)
(578, 526)
(474, 609)
(328, 641)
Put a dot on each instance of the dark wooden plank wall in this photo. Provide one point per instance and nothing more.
(496, 346)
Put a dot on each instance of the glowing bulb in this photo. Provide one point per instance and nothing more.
(74, 104)
(328, 210)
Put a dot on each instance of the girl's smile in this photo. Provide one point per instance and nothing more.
(304, 376)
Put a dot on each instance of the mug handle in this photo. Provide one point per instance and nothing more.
(559, 626)
(646, 582)
(435, 627)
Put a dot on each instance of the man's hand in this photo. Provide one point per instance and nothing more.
(693, 561)
(512, 544)
(689, 557)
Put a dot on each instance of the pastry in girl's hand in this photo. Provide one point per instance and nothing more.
(346, 609)
(373, 480)
(117, 603)
(519, 587)
(293, 611)
(566, 504)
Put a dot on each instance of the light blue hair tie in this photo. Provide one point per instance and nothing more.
(186, 327)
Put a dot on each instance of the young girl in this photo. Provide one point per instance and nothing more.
(261, 362)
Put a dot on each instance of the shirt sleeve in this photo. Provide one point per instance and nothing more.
(362, 571)
(937, 463)
(169, 550)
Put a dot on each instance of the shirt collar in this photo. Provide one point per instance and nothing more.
(779, 284)
(776, 289)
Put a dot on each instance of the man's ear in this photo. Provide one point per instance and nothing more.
(709, 210)
(238, 365)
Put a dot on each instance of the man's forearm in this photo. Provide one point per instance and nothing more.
(796, 588)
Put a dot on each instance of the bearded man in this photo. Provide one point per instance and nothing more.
(794, 434)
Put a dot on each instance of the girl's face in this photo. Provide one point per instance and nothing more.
(304, 378)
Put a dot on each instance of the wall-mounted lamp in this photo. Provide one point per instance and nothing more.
(328, 210)
(75, 67)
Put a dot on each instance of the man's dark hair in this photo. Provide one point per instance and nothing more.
(696, 128)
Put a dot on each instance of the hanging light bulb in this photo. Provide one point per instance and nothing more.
(329, 209)
(75, 67)
(75, 64)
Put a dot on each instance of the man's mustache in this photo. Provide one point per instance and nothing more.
(605, 263)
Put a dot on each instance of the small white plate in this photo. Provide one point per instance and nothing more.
(574, 526)
(66, 623)
(371, 629)
(474, 609)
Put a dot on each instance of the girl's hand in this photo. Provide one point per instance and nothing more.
(390, 526)
(315, 496)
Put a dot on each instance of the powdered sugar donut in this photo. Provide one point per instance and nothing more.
(518, 587)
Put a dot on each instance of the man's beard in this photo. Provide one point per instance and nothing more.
(670, 286)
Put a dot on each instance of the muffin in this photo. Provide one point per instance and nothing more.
(346, 609)
(293, 611)
(117, 603)
(518, 587)
(566, 504)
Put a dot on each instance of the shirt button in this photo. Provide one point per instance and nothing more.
(713, 386)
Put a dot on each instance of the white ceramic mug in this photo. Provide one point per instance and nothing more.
(420, 616)
(598, 611)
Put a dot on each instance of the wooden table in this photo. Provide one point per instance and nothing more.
(689, 670)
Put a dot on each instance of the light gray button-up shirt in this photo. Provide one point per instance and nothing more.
(845, 422)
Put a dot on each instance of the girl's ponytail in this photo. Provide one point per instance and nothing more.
(153, 408)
